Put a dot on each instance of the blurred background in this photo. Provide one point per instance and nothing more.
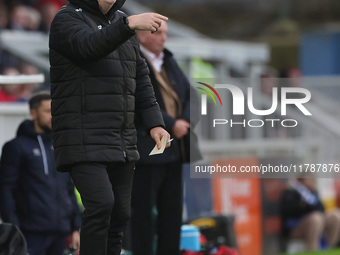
(261, 44)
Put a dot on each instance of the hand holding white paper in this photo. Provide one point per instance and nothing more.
(161, 150)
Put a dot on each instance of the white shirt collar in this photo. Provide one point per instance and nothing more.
(156, 61)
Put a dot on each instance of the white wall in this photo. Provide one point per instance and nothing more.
(11, 115)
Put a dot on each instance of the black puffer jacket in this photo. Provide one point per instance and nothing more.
(98, 82)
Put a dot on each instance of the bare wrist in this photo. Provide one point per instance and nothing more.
(130, 23)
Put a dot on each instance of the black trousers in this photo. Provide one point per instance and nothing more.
(159, 185)
(105, 190)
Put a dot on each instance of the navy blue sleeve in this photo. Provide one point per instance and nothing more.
(9, 175)
(191, 107)
(190, 102)
(187, 94)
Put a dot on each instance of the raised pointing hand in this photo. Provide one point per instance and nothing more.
(146, 21)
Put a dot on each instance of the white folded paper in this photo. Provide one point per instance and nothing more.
(155, 150)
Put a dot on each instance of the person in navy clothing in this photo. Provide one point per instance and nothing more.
(33, 195)
(304, 216)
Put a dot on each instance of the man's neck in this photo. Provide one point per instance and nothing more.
(104, 7)
(150, 53)
(38, 129)
(156, 61)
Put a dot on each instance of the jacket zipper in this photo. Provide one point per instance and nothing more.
(125, 108)
(83, 109)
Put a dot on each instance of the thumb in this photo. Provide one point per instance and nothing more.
(158, 141)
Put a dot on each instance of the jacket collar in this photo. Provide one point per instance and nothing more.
(26, 128)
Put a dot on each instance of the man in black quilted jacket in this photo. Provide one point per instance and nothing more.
(98, 83)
